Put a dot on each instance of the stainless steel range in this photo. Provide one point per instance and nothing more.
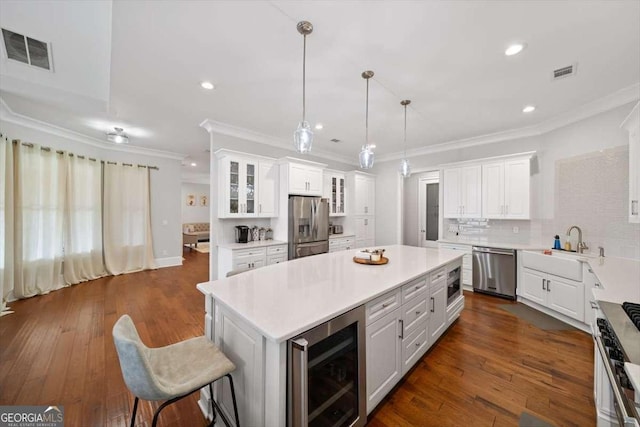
(617, 341)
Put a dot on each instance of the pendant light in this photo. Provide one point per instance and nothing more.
(303, 137)
(405, 168)
(367, 155)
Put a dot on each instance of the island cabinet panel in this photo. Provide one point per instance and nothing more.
(245, 348)
(384, 357)
(437, 309)
(414, 346)
(382, 305)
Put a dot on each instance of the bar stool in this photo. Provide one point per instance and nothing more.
(172, 372)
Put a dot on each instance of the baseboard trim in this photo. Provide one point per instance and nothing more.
(168, 262)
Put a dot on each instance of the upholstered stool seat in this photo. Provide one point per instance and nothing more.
(172, 372)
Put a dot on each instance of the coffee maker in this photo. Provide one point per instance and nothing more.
(242, 234)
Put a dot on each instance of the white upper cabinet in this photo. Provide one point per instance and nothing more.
(334, 190)
(305, 179)
(247, 185)
(632, 125)
(268, 183)
(505, 189)
(237, 181)
(365, 195)
(462, 192)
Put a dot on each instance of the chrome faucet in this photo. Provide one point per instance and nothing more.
(581, 245)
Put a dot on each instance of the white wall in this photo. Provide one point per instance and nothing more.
(599, 132)
(166, 218)
(196, 213)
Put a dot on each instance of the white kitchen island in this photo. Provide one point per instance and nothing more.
(252, 315)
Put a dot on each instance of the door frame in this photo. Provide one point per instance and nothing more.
(429, 177)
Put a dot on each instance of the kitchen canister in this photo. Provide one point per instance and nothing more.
(262, 233)
(255, 233)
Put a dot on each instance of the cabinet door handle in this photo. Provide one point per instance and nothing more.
(366, 222)
(433, 305)
(401, 336)
(593, 304)
(417, 312)
(417, 344)
(597, 285)
(417, 287)
(385, 304)
(548, 285)
(260, 208)
(543, 287)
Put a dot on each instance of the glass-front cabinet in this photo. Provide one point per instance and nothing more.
(334, 188)
(238, 182)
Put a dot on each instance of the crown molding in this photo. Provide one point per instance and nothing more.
(214, 127)
(8, 115)
(607, 103)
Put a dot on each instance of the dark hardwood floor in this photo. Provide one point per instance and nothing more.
(488, 368)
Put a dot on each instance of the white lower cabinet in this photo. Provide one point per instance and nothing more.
(341, 244)
(398, 331)
(437, 309)
(467, 261)
(384, 357)
(559, 294)
(250, 258)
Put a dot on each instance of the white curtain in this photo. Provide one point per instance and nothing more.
(127, 219)
(83, 221)
(6, 223)
(39, 211)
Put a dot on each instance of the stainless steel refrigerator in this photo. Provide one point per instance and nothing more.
(308, 226)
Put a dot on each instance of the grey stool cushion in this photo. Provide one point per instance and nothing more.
(167, 372)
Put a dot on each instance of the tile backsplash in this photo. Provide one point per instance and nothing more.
(590, 191)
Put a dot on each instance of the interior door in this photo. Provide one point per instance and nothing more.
(429, 211)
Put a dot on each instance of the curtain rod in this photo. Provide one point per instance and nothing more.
(30, 145)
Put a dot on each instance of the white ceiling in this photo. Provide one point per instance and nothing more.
(447, 57)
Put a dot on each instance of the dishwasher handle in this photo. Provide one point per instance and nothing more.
(498, 251)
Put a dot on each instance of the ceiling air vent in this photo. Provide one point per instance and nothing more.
(26, 50)
(564, 72)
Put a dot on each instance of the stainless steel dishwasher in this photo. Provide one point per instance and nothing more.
(494, 271)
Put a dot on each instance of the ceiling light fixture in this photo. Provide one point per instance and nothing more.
(207, 85)
(529, 109)
(319, 126)
(118, 136)
(514, 49)
(367, 155)
(303, 137)
(405, 168)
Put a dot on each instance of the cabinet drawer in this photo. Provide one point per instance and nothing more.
(334, 243)
(276, 259)
(382, 305)
(348, 243)
(436, 276)
(414, 346)
(280, 249)
(414, 288)
(413, 313)
(254, 252)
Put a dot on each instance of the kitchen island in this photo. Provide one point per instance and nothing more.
(252, 315)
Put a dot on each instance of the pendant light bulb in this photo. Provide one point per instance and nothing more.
(405, 167)
(367, 155)
(303, 136)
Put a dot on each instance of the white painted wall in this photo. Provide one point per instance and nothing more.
(166, 217)
(595, 133)
(197, 213)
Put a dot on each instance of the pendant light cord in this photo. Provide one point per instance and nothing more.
(304, 77)
(405, 131)
(366, 121)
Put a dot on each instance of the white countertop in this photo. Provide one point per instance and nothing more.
(337, 236)
(620, 279)
(285, 299)
(490, 243)
(256, 244)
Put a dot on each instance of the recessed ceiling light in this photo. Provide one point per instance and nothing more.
(514, 49)
(529, 109)
(207, 85)
(319, 126)
(193, 164)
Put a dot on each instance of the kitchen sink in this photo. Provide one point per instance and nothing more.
(565, 265)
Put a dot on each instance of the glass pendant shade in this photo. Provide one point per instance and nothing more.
(405, 168)
(303, 137)
(366, 157)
